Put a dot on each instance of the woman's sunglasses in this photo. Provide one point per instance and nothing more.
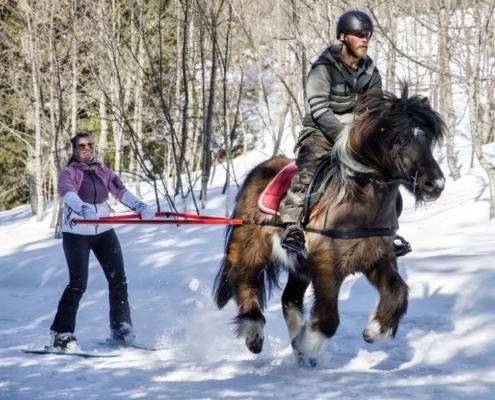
(82, 146)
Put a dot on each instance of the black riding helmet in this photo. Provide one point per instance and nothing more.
(356, 21)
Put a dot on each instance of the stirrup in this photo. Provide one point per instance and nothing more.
(293, 239)
(402, 248)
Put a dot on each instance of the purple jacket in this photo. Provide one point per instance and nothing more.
(70, 184)
(71, 177)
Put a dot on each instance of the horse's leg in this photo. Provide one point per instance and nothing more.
(245, 254)
(384, 320)
(292, 302)
(324, 317)
(250, 320)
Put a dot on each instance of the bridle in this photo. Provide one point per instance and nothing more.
(406, 177)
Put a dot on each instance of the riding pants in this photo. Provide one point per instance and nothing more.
(107, 250)
(313, 147)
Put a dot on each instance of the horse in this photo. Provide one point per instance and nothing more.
(351, 230)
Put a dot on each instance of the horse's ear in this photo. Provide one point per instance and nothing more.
(426, 101)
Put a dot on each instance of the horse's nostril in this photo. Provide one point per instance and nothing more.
(434, 185)
(429, 185)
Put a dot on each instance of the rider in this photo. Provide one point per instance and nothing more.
(341, 73)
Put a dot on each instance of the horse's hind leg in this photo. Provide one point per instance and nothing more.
(250, 320)
(247, 279)
(384, 320)
(292, 302)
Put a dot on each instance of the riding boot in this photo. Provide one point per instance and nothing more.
(293, 239)
(290, 212)
(401, 246)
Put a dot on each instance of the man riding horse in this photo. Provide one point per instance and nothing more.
(341, 73)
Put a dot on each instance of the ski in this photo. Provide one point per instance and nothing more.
(122, 345)
(81, 353)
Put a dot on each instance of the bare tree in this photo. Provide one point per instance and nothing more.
(481, 14)
(36, 167)
(446, 104)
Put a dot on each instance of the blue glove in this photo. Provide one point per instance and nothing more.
(145, 211)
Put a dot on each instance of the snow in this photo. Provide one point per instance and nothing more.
(443, 350)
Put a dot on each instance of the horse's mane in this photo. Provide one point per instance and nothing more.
(363, 150)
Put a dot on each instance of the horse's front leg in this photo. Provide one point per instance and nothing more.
(384, 320)
(324, 321)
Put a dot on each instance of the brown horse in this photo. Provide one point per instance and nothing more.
(352, 232)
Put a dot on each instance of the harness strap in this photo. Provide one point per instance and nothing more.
(332, 233)
(365, 233)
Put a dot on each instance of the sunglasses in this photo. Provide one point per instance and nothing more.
(82, 146)
(361, 35)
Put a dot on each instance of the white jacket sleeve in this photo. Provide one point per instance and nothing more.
(74, 202)
(84, 210)
(131, 201)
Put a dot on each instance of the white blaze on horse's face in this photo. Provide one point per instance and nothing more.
(430, 188)
(418, 132)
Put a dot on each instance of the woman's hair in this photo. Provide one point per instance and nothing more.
(74, 141)
(78, 136)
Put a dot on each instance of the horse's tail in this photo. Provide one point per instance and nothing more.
(223, 285)
(223, 288)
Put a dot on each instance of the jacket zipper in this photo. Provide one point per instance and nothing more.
(94, 199)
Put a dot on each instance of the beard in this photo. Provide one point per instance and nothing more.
(357, 51)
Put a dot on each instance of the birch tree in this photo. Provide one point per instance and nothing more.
(482, 14)
(36, 153)
(446, 105)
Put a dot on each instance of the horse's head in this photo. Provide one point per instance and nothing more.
(395, 137)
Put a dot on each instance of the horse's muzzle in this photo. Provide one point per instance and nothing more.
(432, 189)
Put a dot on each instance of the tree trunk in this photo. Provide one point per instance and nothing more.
(74, 77)
(393, 15)
(446, 103)
(36, 183)
(206, 163)
(473, 84)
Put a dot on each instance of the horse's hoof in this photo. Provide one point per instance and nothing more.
(374, 332)
(305, 361)
(367, 337)
(255, 346)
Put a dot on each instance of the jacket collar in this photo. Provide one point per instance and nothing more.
(334, 55)
(85, 165)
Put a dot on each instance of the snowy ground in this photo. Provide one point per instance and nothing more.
(443, 350)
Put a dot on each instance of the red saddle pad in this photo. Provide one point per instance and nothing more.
(270, 198)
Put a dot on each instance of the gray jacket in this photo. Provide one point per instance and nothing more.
(333, 88)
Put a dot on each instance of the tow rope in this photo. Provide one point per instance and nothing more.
(180, 219)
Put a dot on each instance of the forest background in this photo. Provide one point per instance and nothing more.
(174, 89)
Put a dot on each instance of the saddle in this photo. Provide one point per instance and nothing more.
(276, 190)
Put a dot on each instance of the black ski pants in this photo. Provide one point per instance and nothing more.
(107, 250)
